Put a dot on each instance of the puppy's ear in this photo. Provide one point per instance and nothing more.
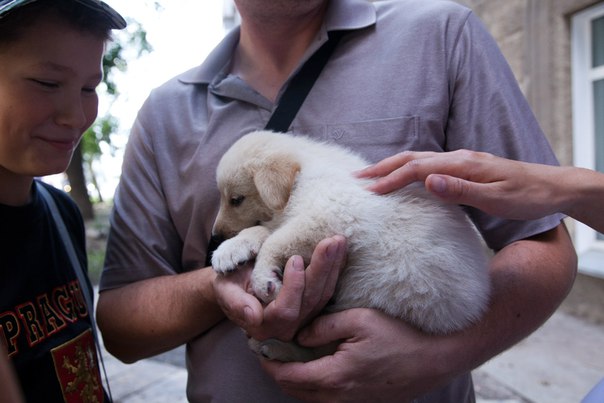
(275, 180)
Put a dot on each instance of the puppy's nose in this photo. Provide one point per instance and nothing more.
(215, 241)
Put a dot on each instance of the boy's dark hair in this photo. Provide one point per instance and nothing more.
(78, 16)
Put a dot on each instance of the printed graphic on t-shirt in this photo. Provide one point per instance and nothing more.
(44, 316)
(77, 369)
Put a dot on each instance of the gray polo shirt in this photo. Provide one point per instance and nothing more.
(412, 75)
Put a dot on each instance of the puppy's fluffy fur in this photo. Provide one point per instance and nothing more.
(409, 255)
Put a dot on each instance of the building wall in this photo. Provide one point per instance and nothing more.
(534, 36)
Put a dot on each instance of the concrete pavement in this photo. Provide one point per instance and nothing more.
(146, 381)
(559, 363)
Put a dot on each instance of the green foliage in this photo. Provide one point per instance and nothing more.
(96, 259)
(98, 133)
(127, 44)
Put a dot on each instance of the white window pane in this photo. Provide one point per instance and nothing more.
(599, 128)
(599, 123)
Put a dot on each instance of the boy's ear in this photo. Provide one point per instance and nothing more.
(274, 181)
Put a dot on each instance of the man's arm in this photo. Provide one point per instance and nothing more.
(155, 315)
(530, 279)
(383, 358)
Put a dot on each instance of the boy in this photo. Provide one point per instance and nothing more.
(50, 65)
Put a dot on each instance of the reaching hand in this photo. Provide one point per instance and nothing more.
(498, 186)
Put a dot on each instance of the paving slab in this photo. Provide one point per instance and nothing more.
(146, 381)
(559, 363)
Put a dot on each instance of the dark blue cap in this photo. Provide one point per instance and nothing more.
(116, 20)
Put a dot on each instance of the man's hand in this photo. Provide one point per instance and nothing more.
(379, 358)
(303, 295)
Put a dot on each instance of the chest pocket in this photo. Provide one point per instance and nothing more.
(373, 139)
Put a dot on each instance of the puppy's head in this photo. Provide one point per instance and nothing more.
(255, 184)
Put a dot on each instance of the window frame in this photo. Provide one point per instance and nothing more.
(589, 248)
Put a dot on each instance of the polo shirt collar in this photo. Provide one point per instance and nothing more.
(341, 15)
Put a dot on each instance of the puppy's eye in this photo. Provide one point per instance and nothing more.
(237, 200)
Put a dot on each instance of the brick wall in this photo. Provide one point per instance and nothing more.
(534, 36)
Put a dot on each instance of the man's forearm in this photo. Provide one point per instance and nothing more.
(530, 279)
(155, 315)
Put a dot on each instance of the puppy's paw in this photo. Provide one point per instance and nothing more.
(267, 282)
(273, 349)
(232, 253)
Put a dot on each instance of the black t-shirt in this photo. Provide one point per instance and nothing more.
(43, 314)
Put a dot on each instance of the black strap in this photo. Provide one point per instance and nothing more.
(301, 84)
(79, 271)
(291, 101)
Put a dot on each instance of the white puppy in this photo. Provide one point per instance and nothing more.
(409, 255)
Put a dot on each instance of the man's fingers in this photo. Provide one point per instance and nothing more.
(289, 300)
(326, 329)
(337, 254)
(322, 273)
(237, 304)
(281, 317)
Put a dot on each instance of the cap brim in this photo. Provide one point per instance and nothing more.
(7, 6)
(115, 19)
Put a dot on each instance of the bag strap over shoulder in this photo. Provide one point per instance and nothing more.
(301, 84)
(77, 267)
(67, 242)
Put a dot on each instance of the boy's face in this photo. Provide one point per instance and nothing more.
(47, 96)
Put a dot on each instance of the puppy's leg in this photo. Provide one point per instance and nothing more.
(273, 349)
(239, 249)
(296, 238)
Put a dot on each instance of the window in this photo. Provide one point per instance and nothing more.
(230, 16)
(588, 118)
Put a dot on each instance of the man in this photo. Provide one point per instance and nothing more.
(409, 74)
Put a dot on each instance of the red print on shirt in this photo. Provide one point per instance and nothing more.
(77, 369)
